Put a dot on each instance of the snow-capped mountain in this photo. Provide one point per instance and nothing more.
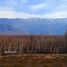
(34, 26)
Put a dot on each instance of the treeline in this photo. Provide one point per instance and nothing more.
(46, 45)
(33, 44)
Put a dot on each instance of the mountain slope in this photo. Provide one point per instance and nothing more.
(34, 26)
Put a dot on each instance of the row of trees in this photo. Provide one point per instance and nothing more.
(35, 45)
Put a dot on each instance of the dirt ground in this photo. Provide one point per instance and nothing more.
(34, 60)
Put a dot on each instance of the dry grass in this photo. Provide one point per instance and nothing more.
(34, 60)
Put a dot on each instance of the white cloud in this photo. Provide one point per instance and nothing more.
(15, 2)
(13, 14)
(38, 6)
(60, 14)
(6, 12)
(62, 6)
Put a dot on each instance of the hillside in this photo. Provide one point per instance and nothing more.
(34, 26)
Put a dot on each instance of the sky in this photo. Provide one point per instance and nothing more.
(33, 8)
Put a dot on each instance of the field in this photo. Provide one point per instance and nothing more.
(34, 60)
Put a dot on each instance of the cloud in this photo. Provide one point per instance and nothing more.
(6, 12)
(60, 14)
(13, 3)
(38, 6)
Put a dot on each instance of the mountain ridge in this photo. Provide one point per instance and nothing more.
(34, 26)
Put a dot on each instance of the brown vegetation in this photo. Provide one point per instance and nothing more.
(18, 45)
(34, 60)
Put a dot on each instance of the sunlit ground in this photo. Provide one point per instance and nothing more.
(34, 60)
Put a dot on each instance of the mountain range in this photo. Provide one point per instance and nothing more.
(40, 26)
